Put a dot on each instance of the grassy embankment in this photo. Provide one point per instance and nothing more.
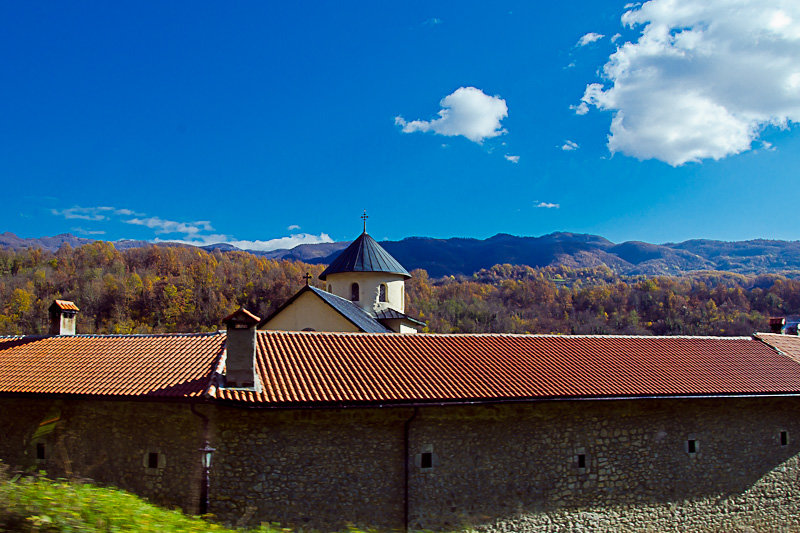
(37, 504)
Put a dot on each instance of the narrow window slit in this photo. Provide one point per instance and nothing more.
(426, 460)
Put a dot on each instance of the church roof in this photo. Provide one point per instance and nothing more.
(394, 314)
(352, 312)
(364, 255)
(335, 369)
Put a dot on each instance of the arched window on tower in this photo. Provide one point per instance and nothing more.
(354, 292)
(382, 296)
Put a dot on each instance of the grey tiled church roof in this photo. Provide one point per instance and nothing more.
(351, 312)
(364, 255)
(389, 314)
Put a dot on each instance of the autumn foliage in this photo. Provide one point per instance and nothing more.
(181, 289)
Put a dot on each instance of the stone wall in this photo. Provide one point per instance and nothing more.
(517, 467)
(623, 465)
(109, 442)
(319, 469)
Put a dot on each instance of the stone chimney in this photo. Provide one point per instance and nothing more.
(240, 350)
(62, 317)
(776, 324)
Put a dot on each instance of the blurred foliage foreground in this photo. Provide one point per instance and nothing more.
(37, 504)
(181, 289)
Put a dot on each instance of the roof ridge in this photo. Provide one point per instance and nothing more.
(522, 335)
(115, 335)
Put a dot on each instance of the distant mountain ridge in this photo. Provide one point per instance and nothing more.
(465, 256)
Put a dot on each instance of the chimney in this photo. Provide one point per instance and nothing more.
(240, 349)
(62, 317)
(776, 324)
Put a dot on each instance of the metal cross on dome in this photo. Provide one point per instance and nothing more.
(364, 217)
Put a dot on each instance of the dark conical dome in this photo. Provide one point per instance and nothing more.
(365, 255)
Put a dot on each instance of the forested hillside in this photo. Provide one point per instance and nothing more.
(168, 289)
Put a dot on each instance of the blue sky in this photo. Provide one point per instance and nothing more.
(268, 125)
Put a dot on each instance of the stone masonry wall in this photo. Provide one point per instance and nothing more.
(319, 469)
(109, 442)
(517, 467)
(498, 468)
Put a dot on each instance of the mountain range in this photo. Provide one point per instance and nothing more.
(463, 256)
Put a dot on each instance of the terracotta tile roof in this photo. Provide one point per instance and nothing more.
(315, 368)
(787, 344)
(65, 305)
(110, 365)
(346, 368)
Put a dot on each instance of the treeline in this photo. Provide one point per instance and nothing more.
(173, 289)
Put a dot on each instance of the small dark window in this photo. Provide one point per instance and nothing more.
(691, 446)
(40, 452)
(581, 461)
(784, 438)
(152, 460)
(426, 460)
(382, 292)
(354, 292)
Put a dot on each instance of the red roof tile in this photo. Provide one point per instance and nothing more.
(110, 365)
(66, 305)
(356, 368)
(310, 367)
(787, 344)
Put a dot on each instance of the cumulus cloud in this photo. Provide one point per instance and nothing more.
(569, 146)
(468, 112)
(547, 205)
(293, 227)
(702, 80)
(512, 158)
(580, 109)
(589, 38)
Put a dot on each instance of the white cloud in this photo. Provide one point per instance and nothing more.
(580, 109)
(512, 158)
(432, 22)
(196, 233)
(615, 37)
(91, 213)
(283, 242)
(83, 231)
(703, 79)
(468, 112)
(589, 38)
(280, 243)
(170, 226)
(569, 146)
(547, 205)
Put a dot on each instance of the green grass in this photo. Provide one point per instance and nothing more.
(38, 504)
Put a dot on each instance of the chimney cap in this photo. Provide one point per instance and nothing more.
(63, 305)
(241, 316)
(776, 324)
